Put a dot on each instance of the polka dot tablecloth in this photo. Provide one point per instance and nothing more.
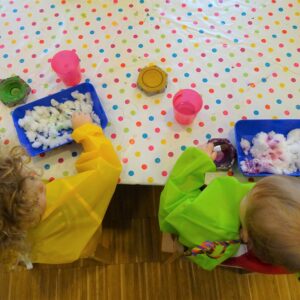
(242, 56)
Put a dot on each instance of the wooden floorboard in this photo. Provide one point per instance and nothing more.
(138, 270)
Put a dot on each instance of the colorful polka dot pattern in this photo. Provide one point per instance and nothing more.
(242, 56)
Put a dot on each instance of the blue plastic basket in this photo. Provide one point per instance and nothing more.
(61, 97)
(247, 129)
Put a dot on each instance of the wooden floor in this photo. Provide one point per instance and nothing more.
(137, 272)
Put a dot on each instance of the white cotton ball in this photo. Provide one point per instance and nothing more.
(293, 136)
(245, 144)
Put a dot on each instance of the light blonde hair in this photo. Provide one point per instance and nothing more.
(272, 221)
(17, 213)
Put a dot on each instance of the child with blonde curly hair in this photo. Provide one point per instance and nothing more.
(213, 221)
(54, 222)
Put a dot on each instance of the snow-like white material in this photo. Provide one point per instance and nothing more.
(49, 126)
(272, 153)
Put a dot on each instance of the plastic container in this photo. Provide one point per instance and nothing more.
(186, 103)
(61, 97)
(247, 129)
(66, 65)
(226, 157)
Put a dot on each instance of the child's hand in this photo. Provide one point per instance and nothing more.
(209, 150)
(79, 119)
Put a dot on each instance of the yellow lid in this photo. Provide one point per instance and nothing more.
(152, 80)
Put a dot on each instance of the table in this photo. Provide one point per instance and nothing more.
(242, 56)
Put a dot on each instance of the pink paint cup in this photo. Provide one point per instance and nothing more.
(186, 103)
(66, 65)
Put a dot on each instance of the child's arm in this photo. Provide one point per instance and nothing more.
(185, 180)
(96, 147)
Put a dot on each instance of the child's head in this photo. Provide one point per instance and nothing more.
(22, 203)
(271, 218)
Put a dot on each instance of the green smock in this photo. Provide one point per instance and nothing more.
(197, 216)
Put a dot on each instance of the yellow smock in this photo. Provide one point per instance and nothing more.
(77, 204)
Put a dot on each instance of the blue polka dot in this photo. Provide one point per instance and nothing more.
(45, 50)
(218, 101)
(151, 18)
(101, 50)
(144, 135)
(214, 50)
(140, 45)
(104, 85)
(47, 166)
(227, 70)
(87, 80)
(223, 22)
(186, 75)
(278, 101)
(183, 147)
(236, 40)
(52, 6)
(92, 32)
(179, 41)
(130, 173)
(29, 80)
(22, 27)
(267, 64)
(210, 5)
(98, 19)
(264, 79)
(5, 55)
(120, 10)
(201, 31)
(204, 80)
(298, 106)
(128, 75)
(280, 9)
(174, 55)
(243, 14)
(289, 54)
(295, 27)
(151, 118)
(115, 107)
(274, 36)
(118, 55)
(256, 112)
(61, 23)
(74, 154)
(208, 136)
(157, 160)
(37, 32)
(15, 10)
(130, 27)
(189, 14)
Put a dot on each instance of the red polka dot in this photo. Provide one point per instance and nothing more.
(144, 166)
(138, 124)
(60, 160)
(164, 173)
(6, 142)
(51, 179)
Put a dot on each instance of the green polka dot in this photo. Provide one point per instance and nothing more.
(45, 19)
(67, 10)
(213, 118)
(46, 85)
(173, 10)
(134, 60)
(76, 27)
(133, 112)
(83, 15)
(226, 9)
(53, 37)
(126, 130)
(157, 50)
(65, 173)
(163, 36)
(122, 91)
(29, 46)
(124, 41)
(111, 70)
(209, 65)
(37, 65)
(223, 85)
(2, 130)
(218, 36)
(146, 31)
(237, 106)
(108, 124)
(231, 54)
(240, 27)
(245, 74)
(189, 129)
(249, 59)
(257, 31)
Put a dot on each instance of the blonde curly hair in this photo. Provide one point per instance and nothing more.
(17, 213)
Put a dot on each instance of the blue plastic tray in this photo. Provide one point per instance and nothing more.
(61, 97)
(247, 129)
